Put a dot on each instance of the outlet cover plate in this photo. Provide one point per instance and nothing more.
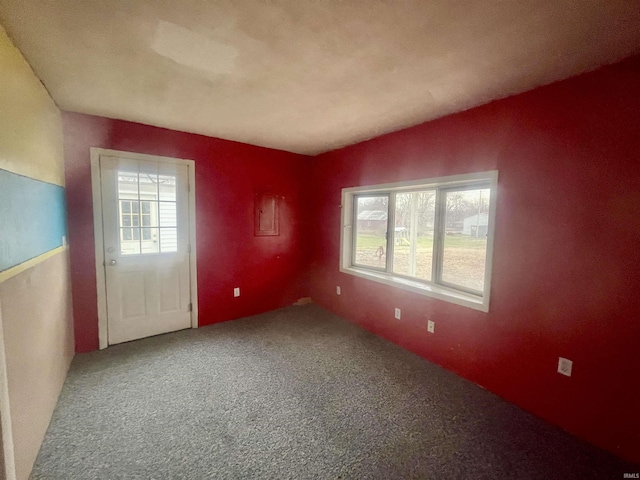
(431, 326)
(398, 313)
(236, 292)
(565, 366)
(338, 291)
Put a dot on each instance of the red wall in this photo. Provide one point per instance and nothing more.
(566, 269)
(268, 270)
(567, 249)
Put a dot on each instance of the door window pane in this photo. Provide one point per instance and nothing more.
(129, 244)
(465, 239)
(371, 214)
(413, 234)
(167, 187)
(128, 186)
(129, 220)
(168, 240)
(148, 213)
(150, 243)
(167, 214)
(148, 186)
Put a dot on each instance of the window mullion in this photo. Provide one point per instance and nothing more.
(438, 236)
(139, 218)
(391, 222)
(354, 223)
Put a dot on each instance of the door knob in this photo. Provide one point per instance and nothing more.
(112, 262)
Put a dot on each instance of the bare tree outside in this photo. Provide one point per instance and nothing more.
(413, 234)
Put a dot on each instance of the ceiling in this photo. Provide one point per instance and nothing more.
(308, 76)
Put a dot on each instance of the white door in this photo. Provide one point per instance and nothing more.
(145, 212)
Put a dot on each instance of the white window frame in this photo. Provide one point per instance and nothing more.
(440, 290)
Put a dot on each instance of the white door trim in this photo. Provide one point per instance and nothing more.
(101, 281)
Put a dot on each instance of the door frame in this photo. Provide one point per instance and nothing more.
(101, 279)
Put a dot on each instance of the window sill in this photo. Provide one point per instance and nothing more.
(434, 291)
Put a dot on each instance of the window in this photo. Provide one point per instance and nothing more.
(130, 220)
(130, 215)
(148, 219)
(432, 237)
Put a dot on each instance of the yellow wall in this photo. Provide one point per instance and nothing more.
(30, 122)
(35, 299)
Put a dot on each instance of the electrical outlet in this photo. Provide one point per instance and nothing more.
(397, 314)
(236, 292)
(431, 326)
(565, 366)
(338, 291)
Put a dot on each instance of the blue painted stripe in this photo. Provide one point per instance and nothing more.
(33, 218)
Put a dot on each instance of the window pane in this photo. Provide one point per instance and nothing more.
(126, 206)
(135, 220)
(126, 220)
(465, 241)
(136, 233)
(127, 187)
(148, 187)
(129, 246)
(150, 240)
(168, 240)
(371, 231)
(413, 234)
(148, 178)
(135, 207)
(167, 214)
(146, 220)
(167, 186)
(146, 207)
